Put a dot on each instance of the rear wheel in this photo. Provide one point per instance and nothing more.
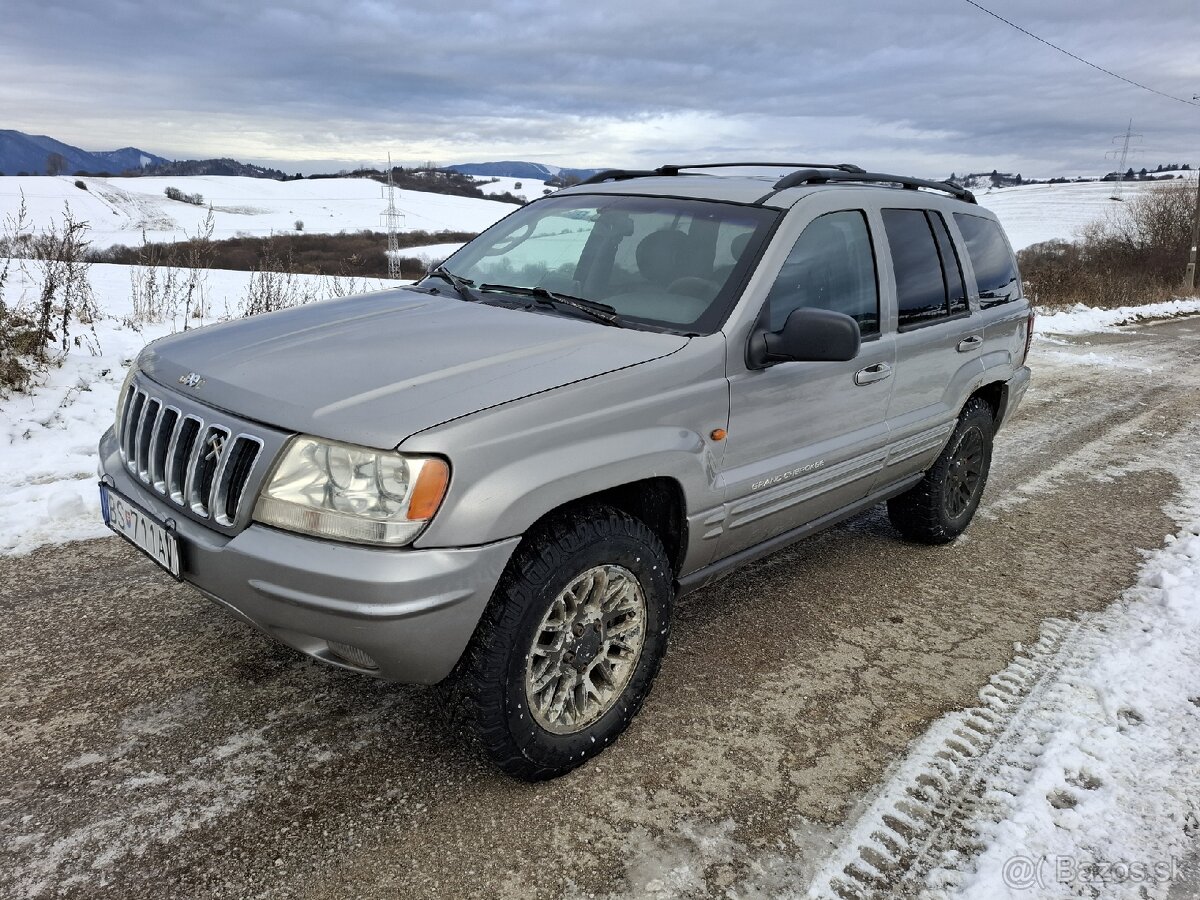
(940, 507)
(569, 644)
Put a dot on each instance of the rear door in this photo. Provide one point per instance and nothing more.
(808, 438)
(997, 291)
(938, 338)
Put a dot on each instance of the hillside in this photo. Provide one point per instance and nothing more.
(517, 169)
(20, 152)
(119, 210)
(1033, 213)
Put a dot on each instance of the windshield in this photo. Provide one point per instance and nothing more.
(658, 261)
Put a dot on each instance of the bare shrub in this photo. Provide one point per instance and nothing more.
(1134, 255)
(174, 193)
(358, 254)
(169, 283)
(275, 284)
(35, 335)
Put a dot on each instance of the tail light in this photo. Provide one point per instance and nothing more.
(1028, 335)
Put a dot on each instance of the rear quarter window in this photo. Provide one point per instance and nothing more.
(995, 269)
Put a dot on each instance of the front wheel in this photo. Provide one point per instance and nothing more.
(569, 644)
(940, 507)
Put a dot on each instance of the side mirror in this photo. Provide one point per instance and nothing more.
(808, 335)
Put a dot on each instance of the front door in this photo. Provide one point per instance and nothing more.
(808, 438)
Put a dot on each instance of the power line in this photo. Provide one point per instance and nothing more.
(1136, 84)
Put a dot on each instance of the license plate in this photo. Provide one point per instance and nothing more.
(140, 529)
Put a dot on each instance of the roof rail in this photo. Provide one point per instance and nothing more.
(817, 176)
(626, 174)
(842, 167)
(618, 175)
(805, 173)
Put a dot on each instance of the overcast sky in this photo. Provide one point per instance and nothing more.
(928, 86)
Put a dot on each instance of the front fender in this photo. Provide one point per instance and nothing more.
(512, 465)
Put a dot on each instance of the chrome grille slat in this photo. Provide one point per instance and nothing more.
(230, 480)
(172, 450)
(153, 471)
(141, 459)
(161, 439)
(178, 452)
(215, 499)
(129, 430)
(203, 469)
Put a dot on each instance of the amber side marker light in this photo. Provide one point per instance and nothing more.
(718, 434)
(430, 489)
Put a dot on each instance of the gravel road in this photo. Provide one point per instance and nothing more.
(151, 746)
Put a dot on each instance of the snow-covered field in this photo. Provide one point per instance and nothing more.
(119, 210)
(529, 189)
(1033, 213)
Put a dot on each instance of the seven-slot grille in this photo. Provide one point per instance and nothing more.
(200, 466)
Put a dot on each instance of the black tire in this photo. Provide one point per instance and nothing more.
(940, 507)
(487, 691)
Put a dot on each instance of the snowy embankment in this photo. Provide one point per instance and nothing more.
(1083, 319)
(120, 210)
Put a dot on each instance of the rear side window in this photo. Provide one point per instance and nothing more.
(995, 268)
(956, 287)
(831, 266)
(929, 282)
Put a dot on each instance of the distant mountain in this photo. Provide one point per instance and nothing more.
(213, 167)
(32, 154)
(516, 169)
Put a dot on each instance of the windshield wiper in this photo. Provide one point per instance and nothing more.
(461, 285)
(601, 312)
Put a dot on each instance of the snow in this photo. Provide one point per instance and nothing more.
(1032, 213)
(48, 438)
(431, 253)
(530, 188)
(120, 209)
(1116, 778)
(1082, 319)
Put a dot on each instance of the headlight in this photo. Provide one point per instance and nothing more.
(352, 493)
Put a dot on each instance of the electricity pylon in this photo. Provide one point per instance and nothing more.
(393, 220)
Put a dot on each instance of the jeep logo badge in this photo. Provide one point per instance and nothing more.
(191, 379)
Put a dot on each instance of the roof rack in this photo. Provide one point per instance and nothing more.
(626, 174)
(841, 167)
(805, 173)
(815, 175)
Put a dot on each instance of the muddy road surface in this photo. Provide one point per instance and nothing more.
(151, 746)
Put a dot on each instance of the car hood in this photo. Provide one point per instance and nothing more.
(375, 369)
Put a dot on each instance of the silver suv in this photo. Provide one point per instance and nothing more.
(498, 479)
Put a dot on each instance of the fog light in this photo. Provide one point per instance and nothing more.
(352, 655)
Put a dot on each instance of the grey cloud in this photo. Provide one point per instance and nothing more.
(934, 84)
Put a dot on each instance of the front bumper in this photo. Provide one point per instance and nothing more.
(411, 611)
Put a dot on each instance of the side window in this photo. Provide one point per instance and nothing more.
(929, 280)
(831, 266)
(951, 268)
(995, 268)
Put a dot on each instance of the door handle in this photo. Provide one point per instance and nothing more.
(874, 373)
(966, 345)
